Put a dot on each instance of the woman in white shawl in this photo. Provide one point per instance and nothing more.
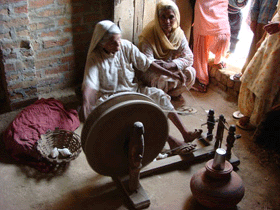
(109, 70)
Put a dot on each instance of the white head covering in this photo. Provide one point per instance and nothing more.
(100, 31)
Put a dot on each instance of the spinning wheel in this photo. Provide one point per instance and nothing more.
(126, 132)
(110, 142)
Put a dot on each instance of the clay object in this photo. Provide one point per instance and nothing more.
(217, 185)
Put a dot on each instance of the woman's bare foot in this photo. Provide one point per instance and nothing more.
(190, 136)
(244, 123)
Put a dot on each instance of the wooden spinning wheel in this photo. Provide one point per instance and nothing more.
(125, 133)
(108, 139)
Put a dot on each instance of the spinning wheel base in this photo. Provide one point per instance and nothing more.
(137, 199)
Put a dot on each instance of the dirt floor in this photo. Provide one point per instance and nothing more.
(77, 186)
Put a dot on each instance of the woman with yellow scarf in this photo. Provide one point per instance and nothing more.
(164, 42)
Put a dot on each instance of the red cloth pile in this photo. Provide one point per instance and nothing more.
(26, 129)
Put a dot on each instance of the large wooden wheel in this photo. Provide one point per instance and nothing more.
(105, 135)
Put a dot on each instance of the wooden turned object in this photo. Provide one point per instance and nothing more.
(115, 144)
(217, 185)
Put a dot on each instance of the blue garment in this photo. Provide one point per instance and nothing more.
(262, 10)
(234, 6)
(235, 19)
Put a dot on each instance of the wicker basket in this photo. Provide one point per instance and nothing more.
(60, 139)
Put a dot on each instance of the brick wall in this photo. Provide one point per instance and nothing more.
(44, 43)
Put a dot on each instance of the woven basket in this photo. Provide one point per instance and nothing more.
(60, 139)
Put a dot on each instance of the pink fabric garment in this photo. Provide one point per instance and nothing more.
(22, 134)
(218, 45)
(211, 33)
(211, 17)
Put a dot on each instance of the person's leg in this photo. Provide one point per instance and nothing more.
(187, 135)
(256, 38)
(201, 55)
(219, 46)
(235, 26)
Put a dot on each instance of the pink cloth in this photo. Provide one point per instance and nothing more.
(218, 45)
(211, 33)
(22, 134)
(211, 17)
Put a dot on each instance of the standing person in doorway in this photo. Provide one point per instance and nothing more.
(211, 33)
(235, 19)
(260, 83)
(260, 14)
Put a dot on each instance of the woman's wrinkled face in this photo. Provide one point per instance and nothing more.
(166, 20)
(113, 44)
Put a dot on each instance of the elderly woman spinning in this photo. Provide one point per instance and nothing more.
(109, 70)
(164, 42)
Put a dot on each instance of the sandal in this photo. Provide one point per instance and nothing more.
(221, 65)
(237, 115)
(202, 87)
(184, 110)
(247, 127)
(244, 123)
(182, 150)
(236, 77)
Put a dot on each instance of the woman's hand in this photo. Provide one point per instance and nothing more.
(253, 26)
(182, 76)
(166, 65)
(272, 27)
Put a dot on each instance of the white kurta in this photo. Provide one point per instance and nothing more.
(110, 74)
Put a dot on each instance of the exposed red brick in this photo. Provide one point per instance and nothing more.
(22, 84)
(22, 9)
(53, 43)
(38, 26)
(16, 22)
(23, 33)
(69, 49)
(49, 80)
(39, 3)
(48, 53)
(68, 29)
(45, 63)
(29, 74)
(50, 34)
(62, 2)
(51, 12)
(16, 96)
(57, 70)
(64, 21)
(10, 1)
(31, 91)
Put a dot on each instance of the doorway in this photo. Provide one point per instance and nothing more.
(238, 58)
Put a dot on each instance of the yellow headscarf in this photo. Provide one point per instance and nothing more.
(153, 33)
